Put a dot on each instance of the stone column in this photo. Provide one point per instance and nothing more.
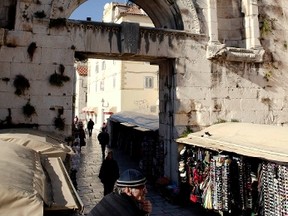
(250, 9)
(212, 21)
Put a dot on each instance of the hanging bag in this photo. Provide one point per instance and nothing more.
(195, 195)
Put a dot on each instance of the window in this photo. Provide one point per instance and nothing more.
(103, 65)
(148, 82)
(97, 68)
(114, 81)
(102, 85)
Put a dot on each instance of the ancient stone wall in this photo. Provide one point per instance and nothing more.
(238, 84)
(36, 51)
(7, 13)
(204, 78)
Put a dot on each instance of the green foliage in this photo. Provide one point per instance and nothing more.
(31, 50)
(55, 79)
(59, 123)
(235, 120)
(266, 101)
(59, 79)
(220, 121)
(267, 26)
(186, 132)
(268, 75)
(28, 110)
(81, 57)
(285, 44)
(21, 84)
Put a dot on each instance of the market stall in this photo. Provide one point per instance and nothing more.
(237, 168)
(46, 143)
(34, 180)
(137, 134)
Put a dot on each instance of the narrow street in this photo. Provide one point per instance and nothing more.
(90, 188)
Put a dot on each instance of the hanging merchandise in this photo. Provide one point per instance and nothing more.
(207, 196)
(238, 169)
(228, 184)
(274, 188)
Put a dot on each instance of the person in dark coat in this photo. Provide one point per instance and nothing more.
(90, 126)
(109, 172)
(103, 138)
(80, 133)
(128, 200)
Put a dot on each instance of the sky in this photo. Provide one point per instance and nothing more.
(91, 8)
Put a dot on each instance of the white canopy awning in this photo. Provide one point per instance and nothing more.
(64, 194)
(45, 143)
(149, 122)
(255, 140)
(31, 179)
(23, 185)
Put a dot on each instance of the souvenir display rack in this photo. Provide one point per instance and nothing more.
(234, 184)
(142, 146)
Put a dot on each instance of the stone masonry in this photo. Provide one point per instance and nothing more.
(218, 61)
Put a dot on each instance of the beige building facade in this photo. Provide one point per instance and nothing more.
(121, 86)
(114, 85)
(218, 61)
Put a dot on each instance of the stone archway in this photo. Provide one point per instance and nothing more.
(164, 14)
(69, 5)
(196, 82)
(57, 40)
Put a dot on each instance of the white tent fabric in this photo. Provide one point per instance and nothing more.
(45, 143)
(150, 122)
(64, 194)
(32, 173)
(22, 181)
(269, 142)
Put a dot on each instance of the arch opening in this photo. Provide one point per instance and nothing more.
(164, 14)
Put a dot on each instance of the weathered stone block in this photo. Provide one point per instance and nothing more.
(18, 38)
(54, 55)
(3, 33)
(40, 26)
(130, 37)
(5, 69)
(7, 53)
(57, 42)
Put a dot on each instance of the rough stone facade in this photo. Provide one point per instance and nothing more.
(218, 61)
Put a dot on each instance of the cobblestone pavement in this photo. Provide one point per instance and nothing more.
(90, 188)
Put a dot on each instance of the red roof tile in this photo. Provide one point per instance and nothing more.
(82, 70)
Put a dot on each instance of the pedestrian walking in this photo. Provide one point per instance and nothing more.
(75, 162)
(76, 120)
(103, 138)
(104, 126)
(109, 172)
(90, 126)
(128, 200)
(80, 133)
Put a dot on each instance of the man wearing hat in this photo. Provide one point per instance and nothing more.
(129, 200)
